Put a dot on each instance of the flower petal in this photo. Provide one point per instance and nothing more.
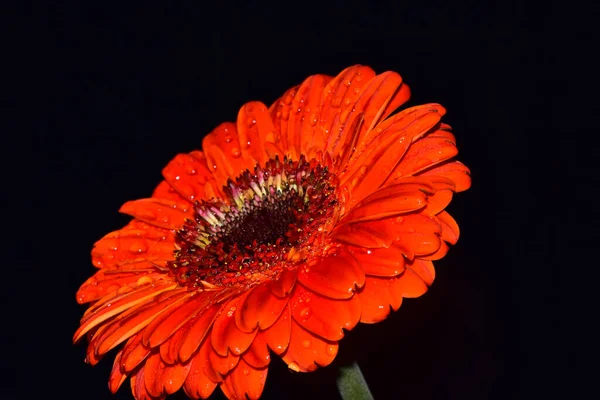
(382, 262)
(306, 351)
(222, 365)
(108, 281)
(165, 191)
(258, 354)
(138, 386)
(244, 382)
(188, 174)
(284, 283)
(169, 321)
(369, 170)
(376, 298)
(430, 150)
(223, 153)
(259, 308)
(198, 384)
(136, 242)
(450, 230)
(161, 379)
(280, 114)
(166, 214)
(456, 171)
(117, 377)
(423, 269)
(226, 335)
(400, 97)
(134, 352)
(323, 316)
(254, 125)
(197, 331)
(278, 335)
(170, 349)
(337, 276)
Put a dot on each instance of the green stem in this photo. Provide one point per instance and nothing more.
(352, 385)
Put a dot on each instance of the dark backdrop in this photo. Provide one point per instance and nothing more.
(132, 86)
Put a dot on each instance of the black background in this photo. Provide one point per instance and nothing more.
(120, 89)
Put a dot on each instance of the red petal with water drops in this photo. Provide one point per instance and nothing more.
(117, 377)
(223, 153)
(259, 308)
(376, 298)
(278, 335)
(411, 284)
(226, 337)
(307, 351)
(284, 283)
(138, 387)
(258, 354)
(400, 97)
(197, 331)
(134, 352)
(166, 214)
(107, 281)
(161, 379)
(423, 269)
(244, 382)
(323, 316)
(169, 349)
(254, 124)
(383, 262)
(222, 365)
(198, 384)
(450, 230)
(337, 276)
(372, 167)
(165, 324)
(131, 322)
(136, 242)
(187, 174)
(438, 254)
(456, 171)
(280, 115)
(165, 191)
(432, 149)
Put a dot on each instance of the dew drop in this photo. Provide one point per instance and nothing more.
(306, 312)
(306, 344)
(144, 280)
(177, 178)
(235, 152)
(363, 169)
(331, 350)
(246, 371)
(228, 139)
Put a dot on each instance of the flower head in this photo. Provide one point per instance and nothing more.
(288, 228)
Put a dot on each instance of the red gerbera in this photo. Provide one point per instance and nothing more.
(289, 227)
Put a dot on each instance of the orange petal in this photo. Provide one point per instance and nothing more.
(117, 377)
(280, 114)
(162, 213)
(222, 365)
(305, 112)
(133, 321)
(169, 321)
(423, 269)
(438, 254)
(226, 335)
(170, 349)
(323, 316)
(278, 335)
(285, 282)
(369, 106)
(336, 276)
(165, 191)
(383, 262)
(102, 311)
(188, 174)
(434, 148)
(456, 171)
(136, 242)
(361, 235)
(376, 298)
(161, 379)
(450, 231)
(197, 384)
(410, 284)
(198, 328)
(259, 308)
(224, 154)
(400, 97)
(258, 354)
(438, 201)
(389, 201)
(254, 125)
(107, 281)
(138, 387)
(134, 352)
(306, 351)
(372, 167)
(244, 382)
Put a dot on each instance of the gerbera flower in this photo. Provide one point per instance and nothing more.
(288, 228)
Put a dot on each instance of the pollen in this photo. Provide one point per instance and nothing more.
(272, 218)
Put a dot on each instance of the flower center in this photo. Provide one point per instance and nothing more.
(272, 219)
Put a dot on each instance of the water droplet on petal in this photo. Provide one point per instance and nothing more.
(306, 312)
(306, 344)
(246, 371)
(331, 350)
(235, 152)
